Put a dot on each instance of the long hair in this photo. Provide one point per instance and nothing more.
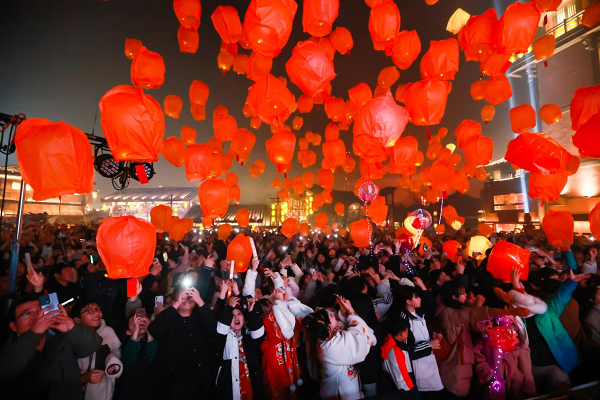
(318, 323)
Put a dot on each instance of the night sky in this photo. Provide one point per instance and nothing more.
(60, 56)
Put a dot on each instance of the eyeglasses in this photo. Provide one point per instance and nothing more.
(27, 315)
(91, 311)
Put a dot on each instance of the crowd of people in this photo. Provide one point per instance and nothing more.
(311, 317)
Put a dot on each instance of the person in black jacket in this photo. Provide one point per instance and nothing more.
(182, 367)
(238, 347)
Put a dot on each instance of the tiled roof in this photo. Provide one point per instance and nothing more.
(258, 213)
(154, 194)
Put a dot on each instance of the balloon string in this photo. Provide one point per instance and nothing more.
(441, 208)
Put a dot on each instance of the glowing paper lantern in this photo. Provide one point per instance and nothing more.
(441, 60)
(548, 5)
(360, 232)
(451, 248)
(426, 101)
(239, 251)
(497, 89)
(584, 105)
(268, 25)
(495, 63)
(318, 16)
(147, 69)
(547, 187)
(340, 208)
(573, 165)
(310, 69)
(544, 46)
(384, 25)
(270, 100)
(536, 152)
(132, 47)
(360, 95)
(487, 113)
(198, 93)
(289, 227)
(387, 77)
(587, 138)
(242, 145)
(242, 217)
(180, 227)
(280, 149)
(595, 220)
(214, 198)
(227, 23)
(377, 210)
(188, 12)
(341, 40)
(479, 150)
(173, 105)
(133, 124)
(224, 231)
(202, 162)
(188, 135)
(334, 152)
(406, 49)
(467, 130)
(558, 228)
(477, 247)
(457, 21)
(476, 36)
(516, 28)
(304, 229)
(188, 39)
(477, 89)
(504, 257)
(258, 66)
(550, 113)
(591, 15)
(126, 246)
(522, 118)
(403, 155)
(225, 127)
(174, 151)
(160, 217)
(321, 221)
(55, 159)
(484, 230)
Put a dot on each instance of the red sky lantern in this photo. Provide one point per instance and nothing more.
(497, 89)
(504, 258)
(479, 150)
(242, 145)
(591, 15)
(441, 60)
(268, 25)
(442, 172)
(180, 227)
(214, 198)
(289, 227)
(360, 232)
(239, 251)
(403, 155)
(547, 187)
(426, 101)
(451, 248)
(202, 162)
(371, 170)
(477, 89)
(188, 12)
(132, 47)
(223, 232)
(227, 23)
(188, 39)
(308, 179)
(495, 63)
(341, 40)
(124, 111)
(559, 227)
(387, 77)
(550, 113)
(243, 217)
(307, 158)
(225, 127)
(360, 94)
(384, 25)
(585, 104)
(198, 93)
(543, 47)
(522, 118)
(231, 179)
(305, 104)
(174, 151)
(126, 246)
(595, 221)
(548, 5)
(321, 221)
(318, 16)
(234, 193)
(160, 217)
(310, 68)
(334, 151)
(188, 135)
(406, 49)
(516, 29)
(476, 36)
(536, 152)
(378, 210)
(587, 138)
(258, 66)
(270, 100)
(173, 105)
(55, 159)
(147, 69)
(280, 148)
(325, 179)
(487, 113)
(340, 209)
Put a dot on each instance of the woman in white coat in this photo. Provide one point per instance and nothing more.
(341, 345)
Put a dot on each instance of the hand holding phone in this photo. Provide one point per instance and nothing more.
(28, 261)
(49, 303)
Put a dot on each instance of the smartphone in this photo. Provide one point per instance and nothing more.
(165, 256)
(425, 247)
(28, 260)
(313, 271)
(82, 240)
(91, 259)
(49, 303)
(194, 251)
(159, 300)
(140, 312)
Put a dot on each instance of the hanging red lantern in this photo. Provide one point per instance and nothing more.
(550, 113)
(547, 187)
(497, 89)
(147, 69)
(270, 100)
(280, 148)
(584, 105)
(310, 69)
(406, 49)
(516, 29)
(55, 159)
(268, 25)
(403, 155)
(132, 47)
(125, 110)
(467, 130)
(239, 251)
(476, 36)
(595, 221)
(360, 233)
(384, 25)
(559, 227)
(504, 258)
(188, 39)
(173, 105)
(214, 198)
(451, 248)
(318, 16)
(188, 12)
(289, 227)
(522, 118)
(536, 152)
(341, 40)
(160, 217)
(174, 151)
(242, 145)
(586, 138)
(441, 60)
(227, 24)
(479, 150)
(426, 101)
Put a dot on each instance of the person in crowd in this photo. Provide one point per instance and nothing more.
(397, 362)
(138, 353)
